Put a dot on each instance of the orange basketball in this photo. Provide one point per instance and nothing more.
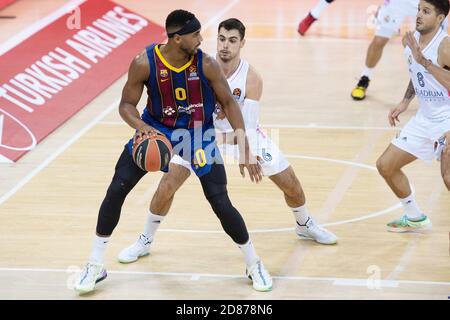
(152, 154)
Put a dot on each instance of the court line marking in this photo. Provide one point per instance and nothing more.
(361, 218)
(216, 18)
(365, 217)
(58, 151)
(316, 126)
(29, 31)
(198, 276)
(312, 38)
(407, 255)
(291, 126)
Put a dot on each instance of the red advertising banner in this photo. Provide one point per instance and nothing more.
(4, 3)
(52, 74)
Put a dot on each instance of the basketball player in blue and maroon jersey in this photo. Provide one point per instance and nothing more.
(182, 86)
(247, 87)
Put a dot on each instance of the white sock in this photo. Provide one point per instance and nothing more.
(98, 249)
(411, 208)
(301, 214)
(367, 72)
(249, 253)
(317, 10)
(151, 225)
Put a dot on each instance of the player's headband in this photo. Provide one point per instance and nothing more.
(191, 26)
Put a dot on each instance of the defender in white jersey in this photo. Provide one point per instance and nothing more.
(425, 136)
(246, 85)
(389, 18)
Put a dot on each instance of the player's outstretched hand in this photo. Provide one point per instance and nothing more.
(395, 112)
(253, 168)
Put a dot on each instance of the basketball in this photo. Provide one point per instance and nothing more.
(152, 154)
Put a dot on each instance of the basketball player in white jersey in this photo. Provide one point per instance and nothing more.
(427, 134)
(246, 86)
(389, 19)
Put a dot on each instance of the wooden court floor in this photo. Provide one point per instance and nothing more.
(49, 200)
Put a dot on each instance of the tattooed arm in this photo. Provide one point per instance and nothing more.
(403, 105)
(410, 93)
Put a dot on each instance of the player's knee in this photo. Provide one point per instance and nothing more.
(378, 43)
(294, 190)
(384, 168)
(230, 219)
(119, 188)
(167, 187)
(220, 203)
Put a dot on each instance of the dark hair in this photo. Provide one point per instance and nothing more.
(231, 24)
(442, 6)
(177, 19)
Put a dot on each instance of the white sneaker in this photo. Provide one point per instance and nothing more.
(89, 277)
(311, 230)
(139, 249)
(262, 281)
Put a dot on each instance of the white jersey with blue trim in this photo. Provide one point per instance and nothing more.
(237, 82)
(434, 100)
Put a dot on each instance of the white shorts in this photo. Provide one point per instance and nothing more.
(272, 160)
(419, 136)
(391, 15)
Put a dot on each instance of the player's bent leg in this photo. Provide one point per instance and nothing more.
(168, 186)
(373, 56)
(375, 50)
(389, 166)
(159, 207)
(288, 182)
(126, 176)
(214, 186)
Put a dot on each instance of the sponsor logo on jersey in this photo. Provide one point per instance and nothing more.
(266, 156)
(168, 111)
(163, 73)
(193, 73)
(190, 108)
(430, 94)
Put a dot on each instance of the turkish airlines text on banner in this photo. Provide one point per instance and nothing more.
(51, 75)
